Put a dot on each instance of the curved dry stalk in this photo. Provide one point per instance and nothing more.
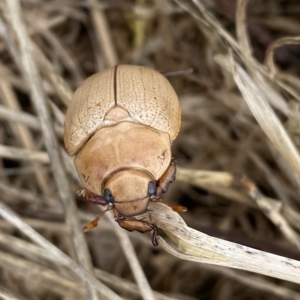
(269, 61)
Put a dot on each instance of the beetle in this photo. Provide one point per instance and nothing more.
(120, 124)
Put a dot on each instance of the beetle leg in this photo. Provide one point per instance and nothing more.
(167, 178)
(88, 196)
(94, 223)
(177, 208)
(149, 214)
(138, 225)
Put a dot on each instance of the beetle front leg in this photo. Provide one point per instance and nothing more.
(141, 226)
(94, 223)
(167, 178)
(89, 196)
(175, 207)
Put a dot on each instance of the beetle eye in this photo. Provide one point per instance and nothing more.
(108, 197)
(152, 188)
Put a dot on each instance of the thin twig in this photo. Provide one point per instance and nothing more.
(102, 33)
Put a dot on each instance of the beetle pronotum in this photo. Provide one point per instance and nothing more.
(120, 125)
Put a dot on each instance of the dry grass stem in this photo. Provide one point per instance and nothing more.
(103, 36)
(38, 99)
(23, 154)
(241, 27)
(265, 116)
(61, 87)
(241, 190)
(22, 134)
(30, 121)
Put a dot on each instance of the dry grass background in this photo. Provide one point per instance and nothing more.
(74, 39)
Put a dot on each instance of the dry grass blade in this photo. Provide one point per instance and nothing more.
(189, 244)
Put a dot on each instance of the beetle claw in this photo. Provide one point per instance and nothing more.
(94, 223)
(154, 235)
(90, 226)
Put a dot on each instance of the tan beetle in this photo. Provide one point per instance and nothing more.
(120, 124)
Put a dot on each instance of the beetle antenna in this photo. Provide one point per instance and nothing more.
(94, 223)
(88, 196)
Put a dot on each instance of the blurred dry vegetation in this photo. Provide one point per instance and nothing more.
(218, 133)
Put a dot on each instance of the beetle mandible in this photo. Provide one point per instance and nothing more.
(120, 125)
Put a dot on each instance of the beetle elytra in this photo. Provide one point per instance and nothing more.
(120, 125)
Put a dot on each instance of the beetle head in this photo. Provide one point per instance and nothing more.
(130, 191)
